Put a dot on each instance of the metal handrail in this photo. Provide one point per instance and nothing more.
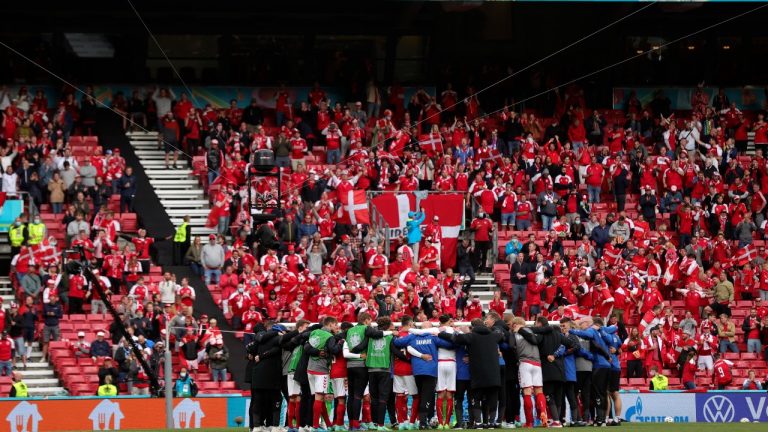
(32, 207)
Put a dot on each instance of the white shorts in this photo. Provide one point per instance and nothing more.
(705, 362)
(446, 376)
(294, 388)
(530, 375)
(405, 385)
(318, 384)
(339, 387)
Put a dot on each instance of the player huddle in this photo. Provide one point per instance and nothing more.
(371, 370)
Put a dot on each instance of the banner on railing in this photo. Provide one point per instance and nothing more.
(126, 413)
(111, 414)
(656, 407)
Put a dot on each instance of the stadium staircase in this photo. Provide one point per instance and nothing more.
(39, 376)
(179, 191)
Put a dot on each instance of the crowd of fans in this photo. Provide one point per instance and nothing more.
(76, 192)
(622, 218)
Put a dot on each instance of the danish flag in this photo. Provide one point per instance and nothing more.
(431, 143)
(354, 208)
(744, 255)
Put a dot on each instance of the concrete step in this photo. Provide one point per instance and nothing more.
(180, 213)
(173, 184)
(160, 164)
(41, 382)
(38, 373)
(167, 173)
(145, 145)
(203, 231)
(185, 203)
(193, 222)
(189, 193)
(36, 365)
(139, 134)
(47, 391)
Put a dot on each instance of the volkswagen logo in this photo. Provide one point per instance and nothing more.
(718, 409)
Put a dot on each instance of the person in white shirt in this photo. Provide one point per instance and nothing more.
(10, 181)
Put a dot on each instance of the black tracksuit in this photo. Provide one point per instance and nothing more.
(553, 372)
(483, 348)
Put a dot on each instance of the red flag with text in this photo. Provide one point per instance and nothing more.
(450, 209)
(394, 209)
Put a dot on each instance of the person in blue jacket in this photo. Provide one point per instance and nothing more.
(601, 366)
(423, 350)
(513, 247)
(614, 342)
(569, 360)
(413, 229)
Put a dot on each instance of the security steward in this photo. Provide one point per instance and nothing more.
(181, 241)
(36, 232)
(18, 388)
(18, 236)
(107, 389)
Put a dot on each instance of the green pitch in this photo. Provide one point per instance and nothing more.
(626, 427)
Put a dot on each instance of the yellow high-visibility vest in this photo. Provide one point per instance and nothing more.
(17, 236)
(21, 389)
(181, 233)
(107, 390)
(36, 233)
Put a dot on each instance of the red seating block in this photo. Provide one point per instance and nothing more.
(129, 222)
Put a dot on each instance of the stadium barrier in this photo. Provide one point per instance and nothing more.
(136, 412)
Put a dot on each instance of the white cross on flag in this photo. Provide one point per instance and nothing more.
(354, 208)
(431, 143)
(744, 255)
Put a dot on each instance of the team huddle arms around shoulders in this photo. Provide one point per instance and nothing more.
(344, 376)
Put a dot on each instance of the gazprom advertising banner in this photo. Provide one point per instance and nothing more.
(655, 407)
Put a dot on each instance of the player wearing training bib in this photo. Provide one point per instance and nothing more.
(379, 350)
(357, 373)
(321, 348)
(294, 344)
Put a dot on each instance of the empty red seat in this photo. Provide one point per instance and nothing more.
(129, 222)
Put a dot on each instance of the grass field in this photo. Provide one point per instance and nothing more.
(626, 427)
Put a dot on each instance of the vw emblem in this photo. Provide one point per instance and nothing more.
(718, 409)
